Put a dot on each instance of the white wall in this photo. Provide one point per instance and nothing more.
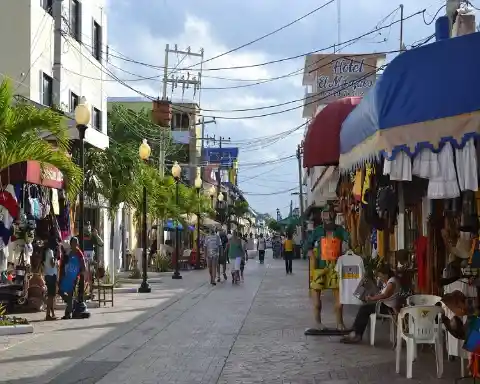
(27, 40)
(15, 35)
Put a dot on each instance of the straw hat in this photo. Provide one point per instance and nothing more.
(463, 248)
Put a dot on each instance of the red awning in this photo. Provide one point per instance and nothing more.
(30, 172)
(322, 141)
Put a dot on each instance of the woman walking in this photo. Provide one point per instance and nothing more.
(213, 246)
(50, 270)
(235, 252)
(288, 253)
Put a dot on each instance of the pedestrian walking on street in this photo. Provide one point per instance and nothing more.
(50, 270)
(73, 264)
(288, 247)
(223, 259)
(251, 250)
(244, 257)
(213, 247)
(235, 252)
(261, 247)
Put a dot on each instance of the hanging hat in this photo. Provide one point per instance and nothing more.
(463, 248)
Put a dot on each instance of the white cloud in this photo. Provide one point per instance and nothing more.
(137, 41)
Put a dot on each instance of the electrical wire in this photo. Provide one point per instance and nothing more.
(434, 16)
(125, 58)
(264, 36)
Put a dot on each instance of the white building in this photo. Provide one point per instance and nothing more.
(48, 68)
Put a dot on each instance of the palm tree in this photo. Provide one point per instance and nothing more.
(22, 127)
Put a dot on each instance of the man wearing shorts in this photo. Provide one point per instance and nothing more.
(213, 244)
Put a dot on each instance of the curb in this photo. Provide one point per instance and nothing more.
(19, 329)
(125, 290)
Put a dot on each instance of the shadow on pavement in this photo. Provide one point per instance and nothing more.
(78, 369)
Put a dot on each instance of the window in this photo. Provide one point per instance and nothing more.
(74, 101)
(47, 90)
(97, 41)
(97, 119)
(76, 20)
(47, 6)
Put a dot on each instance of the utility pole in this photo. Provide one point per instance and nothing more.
(186, 82)
(300, 184)
(220, 141)
(57, 52)
(402, 48)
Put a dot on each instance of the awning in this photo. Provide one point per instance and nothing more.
(322, 141)
(426, 97)
(31, 172)
(207, 222)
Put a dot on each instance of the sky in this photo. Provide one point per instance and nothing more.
(268, 168)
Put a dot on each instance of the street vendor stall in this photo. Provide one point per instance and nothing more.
(322, 148)
(421, 123)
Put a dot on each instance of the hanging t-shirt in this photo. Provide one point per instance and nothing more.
(350, 271)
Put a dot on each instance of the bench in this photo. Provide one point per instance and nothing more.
(104, 294)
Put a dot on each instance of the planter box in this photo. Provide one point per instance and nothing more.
(19, 329)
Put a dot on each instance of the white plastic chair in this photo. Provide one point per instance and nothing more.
(423, 329)
(382, 316)
(424, 300)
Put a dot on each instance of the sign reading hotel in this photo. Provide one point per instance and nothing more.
(333, 77)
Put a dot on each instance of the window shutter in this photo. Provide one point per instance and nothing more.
(40, 87)
(80, 21)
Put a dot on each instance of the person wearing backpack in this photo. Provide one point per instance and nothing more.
(261, 247)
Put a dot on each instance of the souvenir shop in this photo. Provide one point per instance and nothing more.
(409, 187)
(408, 192)
(34, 211)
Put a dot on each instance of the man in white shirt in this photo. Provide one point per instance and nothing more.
(261, 247)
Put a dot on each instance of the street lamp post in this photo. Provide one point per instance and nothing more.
(176, 173)
(82, 119)
(212, 192)
(144, 152)
(198, 187)
(220, 206)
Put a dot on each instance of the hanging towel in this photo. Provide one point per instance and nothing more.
(421, 246)
(357, 186)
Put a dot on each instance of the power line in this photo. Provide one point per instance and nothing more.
(264, 36)
(125, 58)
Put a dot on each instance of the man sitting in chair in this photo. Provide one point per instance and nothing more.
(389, 297)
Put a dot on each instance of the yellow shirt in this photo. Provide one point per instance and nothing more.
(288, 245)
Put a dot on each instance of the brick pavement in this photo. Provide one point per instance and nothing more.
(249, 334)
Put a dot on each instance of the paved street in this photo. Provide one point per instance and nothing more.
(187, 332)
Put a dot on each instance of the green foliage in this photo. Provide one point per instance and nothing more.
(22, 129)
(119, 175)
(274, 226)
(163, 263)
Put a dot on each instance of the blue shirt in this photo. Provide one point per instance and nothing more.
(72, 270)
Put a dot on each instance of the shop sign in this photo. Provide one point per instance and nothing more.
(224, 156)
(337, 76)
